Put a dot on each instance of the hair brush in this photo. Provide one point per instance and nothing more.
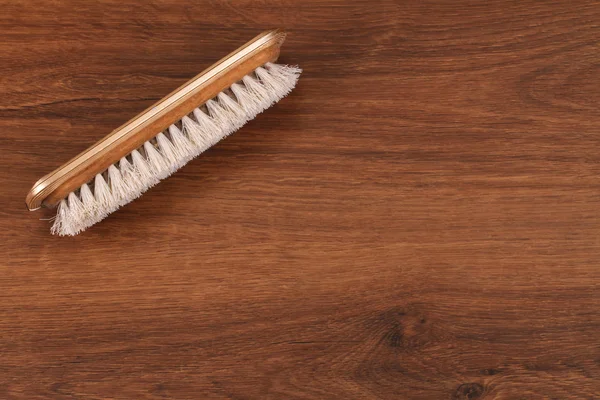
(164, 137)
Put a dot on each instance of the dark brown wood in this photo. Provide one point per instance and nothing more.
(418, 220)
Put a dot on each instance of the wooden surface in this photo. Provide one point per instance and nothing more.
(418, 220)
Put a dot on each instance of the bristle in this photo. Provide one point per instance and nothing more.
(74, 221)
(131, 181)
(284, 73)
(236, 114)
(144, 173)
(208, 130)
(221, 118)
(258, 91)
(90, 207)
(184, 149)
(103, 195)
(164, 154)
(273, 83)
(117, 185)
(252, 104)
(191, 130)
(156, 162)
(60, 226)
(170, 155)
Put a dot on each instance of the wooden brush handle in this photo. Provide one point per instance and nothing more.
(52, 188)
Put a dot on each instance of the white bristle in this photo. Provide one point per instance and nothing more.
(74, 221)
(159, 166)
(168, 151)
(103, 195)
(131, 183)
(145, 176)
(258, 91)
(184, 149)
(283, 73)
(223, 120)
(252, 104)
(91, 208)
(271, 82)
(236, 114)
(191, 131)
(60, 225)
(118, 189)
(164, 154)
(209, 132)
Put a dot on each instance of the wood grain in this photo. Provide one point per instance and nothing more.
(418, 220)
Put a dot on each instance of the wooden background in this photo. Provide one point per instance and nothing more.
(418, 220)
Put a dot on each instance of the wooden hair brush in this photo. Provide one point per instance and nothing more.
(164, 137)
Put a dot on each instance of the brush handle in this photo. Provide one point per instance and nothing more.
(52, 188)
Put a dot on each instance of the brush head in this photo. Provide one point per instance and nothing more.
(163, 138)
(164, 154)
